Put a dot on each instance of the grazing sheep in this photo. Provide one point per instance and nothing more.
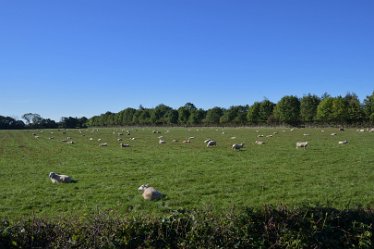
(259, 142)
(99, 139)
(211, 143)
(132, 138)
(343, 142)
(191, 138)
(161, 141)
(301, 145)
(37, 137)
(149, 193)
(333, 134)
(237, 146)
(122, 145)
(56, 178)
(103, 144)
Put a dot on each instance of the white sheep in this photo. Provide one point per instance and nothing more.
(237, 146)
(122, 145)
(103, 144)
(301, 145)
(259, 142)
(211, 143)
(56, 178)
(149, 193)
(343, 142)
(187, 141)
(207, 140)
(333, 134)
(161, 141)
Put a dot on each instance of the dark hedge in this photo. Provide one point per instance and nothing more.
(270, 227)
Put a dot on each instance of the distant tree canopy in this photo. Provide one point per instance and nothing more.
(290, 110)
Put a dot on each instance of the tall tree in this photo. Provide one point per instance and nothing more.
(325, 110)
(308, 108)
(287, 110)
(355, 112)
(253, 115)
(369, 108)
(213, 116)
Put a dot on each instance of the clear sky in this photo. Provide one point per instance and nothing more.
(85, 57)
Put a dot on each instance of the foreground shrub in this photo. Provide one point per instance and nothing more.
(266, 228)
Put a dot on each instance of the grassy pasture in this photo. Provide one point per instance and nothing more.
(191, 175)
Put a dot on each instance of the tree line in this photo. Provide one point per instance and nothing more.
(290, 110)
(35, 121)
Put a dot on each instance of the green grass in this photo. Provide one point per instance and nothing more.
(191, 175)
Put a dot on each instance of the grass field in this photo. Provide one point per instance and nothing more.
(191, 175)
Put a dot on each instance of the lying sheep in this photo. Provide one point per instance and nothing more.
(56, 178)
(343, 142)
(301, 145)
(122, 145)
(237, 146)
(161, 141)
(186, 141)
(103, 144)
(207, 141)
(149, 193)
(211, 143)
(259, 142)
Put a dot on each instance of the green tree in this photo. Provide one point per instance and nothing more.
(325, 111)
(158, 114)
(355, 111)
(197, 116)
(253, 115)
(287, 110)
(213, 116)
(369, 108)
(184, 112)
(340, 110)
(308, 108)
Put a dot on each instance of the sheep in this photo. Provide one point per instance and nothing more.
(306, 134)
(237, 146)
(301, 145)
(260, 135)
(343, 142)
(119, 139)
(103, 144)
(186, 141)
(122, 145)
(259, 142)
(51, 138)
(333, 134)
(91, 139)
(269, 135)
(70, 142)
(150, 193)
(207, 140)
(211, 143)
(232, 137)
(191, 138)
(161, 141)
(56, 178)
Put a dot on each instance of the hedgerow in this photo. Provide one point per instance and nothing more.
(269, 227)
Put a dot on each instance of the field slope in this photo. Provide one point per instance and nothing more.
(190, 174)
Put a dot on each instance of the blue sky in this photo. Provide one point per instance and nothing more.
(83, 58)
